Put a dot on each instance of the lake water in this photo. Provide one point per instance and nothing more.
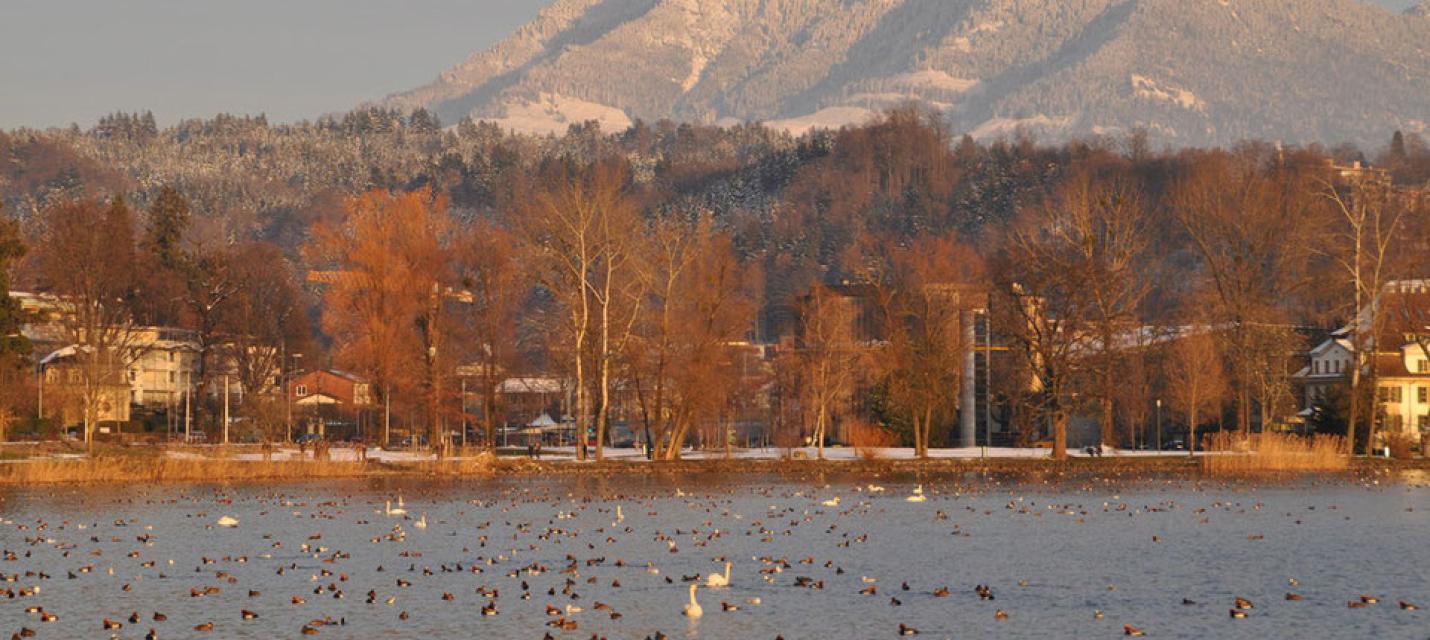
(1053, 555)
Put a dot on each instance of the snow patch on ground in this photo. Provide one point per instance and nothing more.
(553, 114)
(933, 79)
(826, 118)
(996, 127)
(698, 62)
(1144, 87)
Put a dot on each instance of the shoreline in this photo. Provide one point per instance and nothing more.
(168, 466)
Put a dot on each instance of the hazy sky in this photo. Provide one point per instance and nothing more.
(65, 61)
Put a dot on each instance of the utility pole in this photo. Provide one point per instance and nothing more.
(225, 408)
(386, 417)
(188, 401)
(1159, 425)
(987, 381)
(464, 412)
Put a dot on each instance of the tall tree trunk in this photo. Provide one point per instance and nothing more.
(1192, 428)
(1060, 434)
(819, 426)
(604, 413)
(1353, 416)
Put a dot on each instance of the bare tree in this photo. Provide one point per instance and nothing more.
(924, 316)
(1370, 225)
(87, 258)
(209, 285)
(494, 286)
(830, 355)
(1196, 378)
(1107, 222)
(1249, 221)
(1047, 309)
(264, 323)
(578, 226)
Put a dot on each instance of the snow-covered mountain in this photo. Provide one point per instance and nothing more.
(1187, 71)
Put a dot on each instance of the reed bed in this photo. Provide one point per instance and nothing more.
(127, 469)
(1260, 453)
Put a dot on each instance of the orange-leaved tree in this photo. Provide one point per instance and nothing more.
(390, 279)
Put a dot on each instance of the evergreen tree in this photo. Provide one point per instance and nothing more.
(13, 346)
(422, 121)
(168, 220)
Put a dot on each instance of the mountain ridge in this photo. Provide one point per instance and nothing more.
(1189, 72)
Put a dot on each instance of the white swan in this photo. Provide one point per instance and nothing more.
(918, 495)
(399, 511)
(693, 609)
(228, 521)
(620, 517)
(832, 502)
(421, 522)
(716, 580)
(874, 488)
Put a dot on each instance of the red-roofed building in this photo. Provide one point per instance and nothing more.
(330, 387)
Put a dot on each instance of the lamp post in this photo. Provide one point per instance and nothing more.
(287, 373)
(39, 394)
(1159, 425)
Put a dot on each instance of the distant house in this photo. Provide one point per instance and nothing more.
(62, 390)
(1396, 361)
(330, 387)
(1329, 365)
(1403, 390)
(165, 367)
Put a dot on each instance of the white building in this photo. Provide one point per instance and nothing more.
(1396, 361)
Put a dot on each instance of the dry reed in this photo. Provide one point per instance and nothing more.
(1236, 454)
(128, 469)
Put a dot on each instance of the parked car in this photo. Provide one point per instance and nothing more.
(414, 441)
(1175, 445)
(198, 437)
(308, 438)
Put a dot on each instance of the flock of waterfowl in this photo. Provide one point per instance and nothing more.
(606, 558)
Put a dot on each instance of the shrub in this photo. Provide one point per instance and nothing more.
(868, 440)
(1402, 445)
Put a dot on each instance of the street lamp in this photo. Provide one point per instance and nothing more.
(288, 390)
(1159, 424)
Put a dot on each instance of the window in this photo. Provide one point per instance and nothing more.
(1422, 395)
(1424, 423)
(1315, 366)
(1389, 394)
(1423, 366)
(302, 389)
(171, 377)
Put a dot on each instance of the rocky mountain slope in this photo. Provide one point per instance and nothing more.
(1190, 72)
